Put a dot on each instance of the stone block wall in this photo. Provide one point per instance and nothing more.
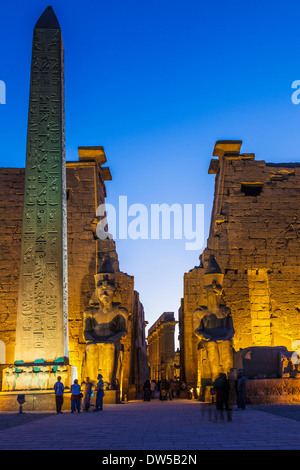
(161, 347)
(255, 238)
(85, 192)
(11, 210)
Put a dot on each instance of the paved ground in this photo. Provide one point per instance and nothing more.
(178, 425)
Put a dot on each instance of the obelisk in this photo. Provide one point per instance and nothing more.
(42, 316)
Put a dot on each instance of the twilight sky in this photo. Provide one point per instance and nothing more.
(157, 83)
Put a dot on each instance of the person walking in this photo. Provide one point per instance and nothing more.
(87, 393)
(100, 393)
(221, 386)
(75, 397)
(59, 395)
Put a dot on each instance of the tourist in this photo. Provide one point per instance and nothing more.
(183, 390)
(241, 387)
(87, 393)
(168, 389)
(164, 390)
(75, 397)
(172, 389)
(221, 385)
(100, 393)
(147, 390)
(59, 395)
(226, 390)
(163, 393)
(153, 388)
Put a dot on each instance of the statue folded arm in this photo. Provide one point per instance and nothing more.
(89, 331)
(119, 325)
(198, 325)
(114, 330)
(230, 328)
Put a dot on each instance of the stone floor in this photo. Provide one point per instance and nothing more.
(178, 425)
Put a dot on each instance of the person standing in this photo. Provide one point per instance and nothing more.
(87, 393)
(172, 389)
(226, 390)
(75, 397)
(59, 395)
(147, 390)
(241, 389)
(218, 385)
(100, 393)
(153, 388)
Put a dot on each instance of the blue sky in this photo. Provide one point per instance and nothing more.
(157, 83)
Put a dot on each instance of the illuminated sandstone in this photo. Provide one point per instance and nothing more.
(213, 326)
(255, 237)
(161, 348)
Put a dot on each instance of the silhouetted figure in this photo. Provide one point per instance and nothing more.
(241, 388)
(222, 387)
(147, 390)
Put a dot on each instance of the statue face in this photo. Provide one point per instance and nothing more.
(105, 293)
(214, 290)
(213, 294)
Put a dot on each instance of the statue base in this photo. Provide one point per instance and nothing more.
(36, 376)
(43, 401)
(273, 391)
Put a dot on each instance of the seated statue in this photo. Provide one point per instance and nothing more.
(105, 324)
(213, 326)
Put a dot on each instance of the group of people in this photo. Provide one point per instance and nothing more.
(221, 389)
(79, 395)
(166, 390)
(163, 389)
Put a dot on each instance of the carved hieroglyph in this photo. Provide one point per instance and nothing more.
(42, 301)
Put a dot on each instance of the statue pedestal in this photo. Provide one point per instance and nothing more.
(36, 376)
(111, 397)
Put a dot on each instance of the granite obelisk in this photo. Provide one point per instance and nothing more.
(42, 317)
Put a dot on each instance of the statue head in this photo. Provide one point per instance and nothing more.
(213, 275)
(105, 291)
(213, 281)
(105, 283)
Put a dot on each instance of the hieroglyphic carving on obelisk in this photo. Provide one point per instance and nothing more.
(42, 331)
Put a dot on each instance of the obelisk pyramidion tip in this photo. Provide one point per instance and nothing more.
(48, 20)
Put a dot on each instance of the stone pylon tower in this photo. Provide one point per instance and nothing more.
(42, 315)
